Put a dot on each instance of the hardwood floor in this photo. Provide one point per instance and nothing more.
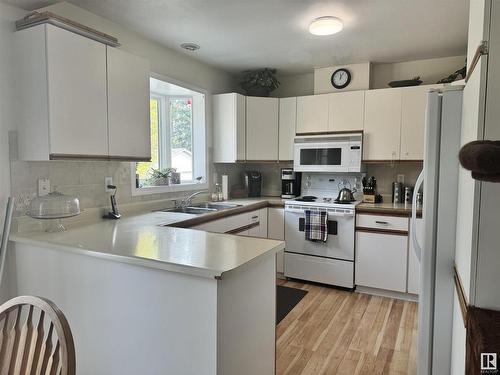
(336, 332)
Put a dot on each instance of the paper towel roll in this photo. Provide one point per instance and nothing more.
(225, 187)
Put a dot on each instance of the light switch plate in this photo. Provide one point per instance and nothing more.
(43, 186)
(400, 178)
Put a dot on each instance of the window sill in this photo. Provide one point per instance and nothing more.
(168, 189)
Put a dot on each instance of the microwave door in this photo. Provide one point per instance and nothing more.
(321, 158)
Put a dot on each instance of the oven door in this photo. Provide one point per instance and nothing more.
(340, 242)
(321, 157)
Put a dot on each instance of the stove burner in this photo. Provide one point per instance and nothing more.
(327, 200)
(344, 202)
(306, 198)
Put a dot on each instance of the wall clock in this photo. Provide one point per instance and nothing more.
(341, 78)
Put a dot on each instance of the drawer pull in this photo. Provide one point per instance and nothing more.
(382, 222)
(254, 217)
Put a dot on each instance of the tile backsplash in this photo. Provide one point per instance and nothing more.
(84, 179)
(271, 175)
(386, 174)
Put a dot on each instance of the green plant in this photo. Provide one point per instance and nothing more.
(259, 78)
(161, 173)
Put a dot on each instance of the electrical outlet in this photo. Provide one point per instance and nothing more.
(43, 186)
(400, 178)
(108, 181)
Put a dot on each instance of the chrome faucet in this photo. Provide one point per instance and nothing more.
(186, 202)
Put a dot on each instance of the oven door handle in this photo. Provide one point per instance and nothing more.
(330, 213)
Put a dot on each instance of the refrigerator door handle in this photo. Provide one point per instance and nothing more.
(416, 246)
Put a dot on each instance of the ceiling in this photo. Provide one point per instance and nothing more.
(239, 34)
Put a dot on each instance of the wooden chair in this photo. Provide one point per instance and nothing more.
(35, 338)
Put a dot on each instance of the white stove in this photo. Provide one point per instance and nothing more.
(330, 262)
(326, 202)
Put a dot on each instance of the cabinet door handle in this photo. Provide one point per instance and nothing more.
(382, 222)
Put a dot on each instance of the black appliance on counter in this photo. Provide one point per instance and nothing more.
(253, 183)
(290, 183)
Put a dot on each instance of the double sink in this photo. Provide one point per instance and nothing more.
(203, 208)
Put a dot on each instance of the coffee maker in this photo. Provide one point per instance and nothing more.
(253, 183)
(290, 183)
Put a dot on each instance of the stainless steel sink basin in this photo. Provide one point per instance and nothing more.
(191, 210)
(216, 206)
(202, 208)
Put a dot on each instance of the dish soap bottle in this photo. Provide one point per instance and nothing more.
(215, 194)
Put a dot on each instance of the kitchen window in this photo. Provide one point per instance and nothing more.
(178, 147)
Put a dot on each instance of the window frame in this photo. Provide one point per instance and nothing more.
(196, 148)
(166, 99)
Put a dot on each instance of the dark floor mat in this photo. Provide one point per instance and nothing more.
(286, 299)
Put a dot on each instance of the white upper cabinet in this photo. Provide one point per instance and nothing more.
(262, 128)
(229, 128)
(287, 124)
(346, 111)
(312, 113)
(62, 93)
(382, 124)
(76, 68)
(413, 104)
(128, 105)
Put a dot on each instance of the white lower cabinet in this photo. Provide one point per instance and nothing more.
(259, 217)
(413, 262)
(276, 231)
(216, 226)
(231, 224)
(381, 260)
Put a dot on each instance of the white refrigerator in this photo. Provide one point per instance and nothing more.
(437, 250)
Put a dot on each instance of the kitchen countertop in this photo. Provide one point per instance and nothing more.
(149, 240)
(246, 205)
(393, 209)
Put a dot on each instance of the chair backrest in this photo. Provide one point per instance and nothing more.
(35, 338)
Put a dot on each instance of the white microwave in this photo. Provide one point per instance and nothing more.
(328, 153)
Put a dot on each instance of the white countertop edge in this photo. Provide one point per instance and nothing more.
(137, 261)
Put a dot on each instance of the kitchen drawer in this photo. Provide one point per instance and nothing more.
(238, 221)
(320, 270)
(382, 222)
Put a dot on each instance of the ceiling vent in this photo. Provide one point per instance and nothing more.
(190, 46)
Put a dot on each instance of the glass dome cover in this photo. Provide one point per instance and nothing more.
(54, 205)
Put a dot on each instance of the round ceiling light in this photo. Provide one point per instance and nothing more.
(190, 46)
(326, 25)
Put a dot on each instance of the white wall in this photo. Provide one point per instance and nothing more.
(466, 252)
(488, 256)
(295, 85)
(429, 70)
(163, 60)
(85, 178)
(8, 15)
(360, 78)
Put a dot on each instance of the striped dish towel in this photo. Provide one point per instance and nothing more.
(316, 225)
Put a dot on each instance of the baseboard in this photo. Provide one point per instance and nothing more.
(280, 275)
(387, 293)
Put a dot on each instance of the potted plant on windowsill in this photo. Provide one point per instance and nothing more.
(259, 82)
(161, 177)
